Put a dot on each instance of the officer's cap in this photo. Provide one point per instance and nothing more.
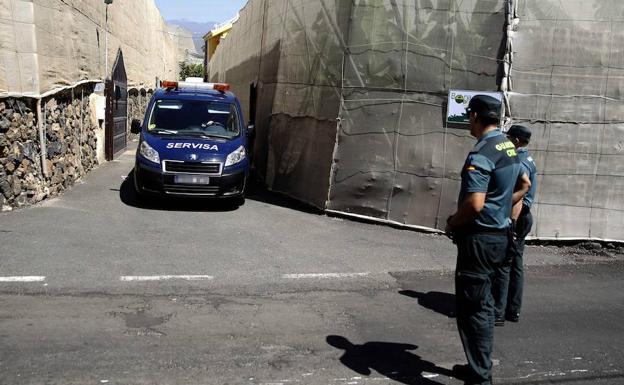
(520, 132)
(486, 106)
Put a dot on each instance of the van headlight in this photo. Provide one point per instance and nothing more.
(236, 157)
(148, 152)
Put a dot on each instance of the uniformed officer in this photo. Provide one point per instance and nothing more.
(509, 280)
(481, 230)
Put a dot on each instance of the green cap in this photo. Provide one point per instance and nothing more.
(520, 132)
(486, 106)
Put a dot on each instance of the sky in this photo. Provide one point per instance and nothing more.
(200, 10)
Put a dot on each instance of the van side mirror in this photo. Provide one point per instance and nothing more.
(250, 130)
(135, 126)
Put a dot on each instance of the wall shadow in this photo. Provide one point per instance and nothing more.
(393, 360)
(257, 191)
(443, 303)
(129, 197)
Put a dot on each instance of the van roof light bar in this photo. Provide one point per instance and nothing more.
(194, 86)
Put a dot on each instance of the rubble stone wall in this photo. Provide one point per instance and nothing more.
(138, 99)
(70, 140)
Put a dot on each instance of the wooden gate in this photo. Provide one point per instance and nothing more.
(116, 109)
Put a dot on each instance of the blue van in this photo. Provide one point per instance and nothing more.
(193, 143)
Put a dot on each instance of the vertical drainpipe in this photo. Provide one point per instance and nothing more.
(42, 138)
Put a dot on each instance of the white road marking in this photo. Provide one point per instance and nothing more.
(147, 278)
(366, 380)
(23, 279)
(325, 275)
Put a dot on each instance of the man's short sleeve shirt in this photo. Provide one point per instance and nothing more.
(530, 169)
(492, 167)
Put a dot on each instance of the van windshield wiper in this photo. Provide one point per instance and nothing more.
(163, 131)
(205, 135)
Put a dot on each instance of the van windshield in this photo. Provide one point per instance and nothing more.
(194, 118)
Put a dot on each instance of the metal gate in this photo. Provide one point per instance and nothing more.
(116, 109)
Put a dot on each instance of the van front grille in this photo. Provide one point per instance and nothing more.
(192, 167)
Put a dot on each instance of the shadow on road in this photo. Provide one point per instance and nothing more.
(392, 360)
(128, 196)
(443, 303)
(256, 191)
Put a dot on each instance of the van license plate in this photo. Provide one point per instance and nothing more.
(191, 179)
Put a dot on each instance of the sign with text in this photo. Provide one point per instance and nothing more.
(458, 101)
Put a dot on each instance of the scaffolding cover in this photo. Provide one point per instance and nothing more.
(352, 94)
(49, 44)
(293, 52)
(568, 85)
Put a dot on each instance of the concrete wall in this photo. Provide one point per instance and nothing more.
(49, 44)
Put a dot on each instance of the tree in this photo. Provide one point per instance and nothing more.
(191, 70)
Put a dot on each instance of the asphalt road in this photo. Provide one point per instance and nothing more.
(114, 290)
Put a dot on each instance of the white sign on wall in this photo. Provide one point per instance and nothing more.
(458, 101)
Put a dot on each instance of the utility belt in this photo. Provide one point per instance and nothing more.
(478, 229)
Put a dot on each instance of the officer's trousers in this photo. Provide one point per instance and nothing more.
(509, 281)
(478, 257)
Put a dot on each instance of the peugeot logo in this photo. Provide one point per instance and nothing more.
(193, 157)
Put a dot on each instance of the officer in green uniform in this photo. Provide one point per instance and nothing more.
(481, 230)
(509, 282)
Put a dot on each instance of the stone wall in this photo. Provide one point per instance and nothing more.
(70, 140)
(20, 165)
(138, 99)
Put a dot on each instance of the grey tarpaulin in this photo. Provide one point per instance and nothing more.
(568, 84)
(293, 52)
(395, 159)
(352, 97)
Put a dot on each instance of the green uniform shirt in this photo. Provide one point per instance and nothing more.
(529, 168)
(492, 167)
